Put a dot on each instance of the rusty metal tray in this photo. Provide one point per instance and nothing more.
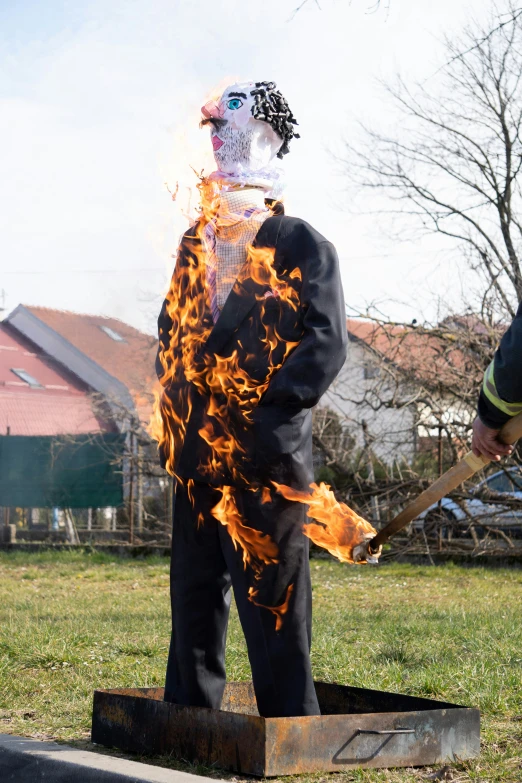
(357, 728)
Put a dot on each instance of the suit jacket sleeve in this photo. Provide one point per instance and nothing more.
(501, 393)
(312, 366)
(168, 358)
(164, 327)
(167, 353)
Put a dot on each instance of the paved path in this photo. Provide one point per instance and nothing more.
(24, 760)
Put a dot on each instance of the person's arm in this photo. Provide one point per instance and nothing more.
(501, 394)
(312, 366)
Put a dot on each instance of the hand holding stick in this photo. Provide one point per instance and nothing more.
(463, 470)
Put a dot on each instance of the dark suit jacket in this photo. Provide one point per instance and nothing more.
(277, 443)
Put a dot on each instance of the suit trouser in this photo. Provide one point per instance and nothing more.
(204, 566)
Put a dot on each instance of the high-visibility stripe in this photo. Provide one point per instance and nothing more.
(490, 390)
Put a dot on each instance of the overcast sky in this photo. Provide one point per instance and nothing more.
(99, 106)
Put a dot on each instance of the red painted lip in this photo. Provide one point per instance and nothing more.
(217, 142)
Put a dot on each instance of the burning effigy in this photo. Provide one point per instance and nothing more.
(251, 334)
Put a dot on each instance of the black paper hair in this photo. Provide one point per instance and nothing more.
(271, 107)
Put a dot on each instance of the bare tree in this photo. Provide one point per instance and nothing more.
(454, 167)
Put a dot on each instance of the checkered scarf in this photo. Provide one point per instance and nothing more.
(240, 216)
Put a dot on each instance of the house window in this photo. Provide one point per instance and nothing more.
(24, 376)
(370, 371)
(112, 334)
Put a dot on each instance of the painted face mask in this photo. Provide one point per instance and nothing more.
(250, 125)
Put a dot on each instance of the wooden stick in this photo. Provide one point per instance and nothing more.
(463, 470)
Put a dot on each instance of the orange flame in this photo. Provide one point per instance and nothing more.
(261, 269)
(266, 496)
(258, 548)
(229, 389)
(217, 377)
(278, 611)
(337, 528)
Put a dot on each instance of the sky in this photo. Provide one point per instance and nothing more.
(99, 113)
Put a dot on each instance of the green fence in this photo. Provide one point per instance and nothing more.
(44, 472)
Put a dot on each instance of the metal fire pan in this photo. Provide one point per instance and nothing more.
(357, 728)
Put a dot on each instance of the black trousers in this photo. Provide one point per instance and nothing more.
(204, 566)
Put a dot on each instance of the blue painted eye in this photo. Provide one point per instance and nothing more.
(234, 103)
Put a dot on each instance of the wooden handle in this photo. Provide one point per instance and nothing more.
(463, 470)
(511, 431)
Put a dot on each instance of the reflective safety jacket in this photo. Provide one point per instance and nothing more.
(501, 393)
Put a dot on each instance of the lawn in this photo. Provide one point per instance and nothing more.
(70, 622)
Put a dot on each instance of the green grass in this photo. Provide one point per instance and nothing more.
(71, 622)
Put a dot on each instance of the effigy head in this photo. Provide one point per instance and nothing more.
(250, 125)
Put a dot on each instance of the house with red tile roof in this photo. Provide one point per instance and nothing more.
(82, 382)
(110, 357)
(38, 397)
(377, 394)
(59, 447)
